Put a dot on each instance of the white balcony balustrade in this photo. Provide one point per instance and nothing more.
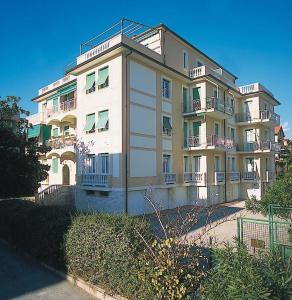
(254, 87)
(248, 175)
(219, 178)
(101, 180)
(63, 107)
(234, 176)
(61, 142)
(217, 142)
(169, 178)
(263, 115)
(198, 178)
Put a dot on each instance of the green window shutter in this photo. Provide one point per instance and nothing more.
(34, 131)
(102, 76)
(185, 134)
(90, 122)
(67, 89)
(216, 129)
(90, 79)
(66, 130)
(166, 123)
(46, 133)
(55, 104)
(196, 93)
(55, 132)
(102, 120)
(185, 99)
(196, 128)
(55, 164)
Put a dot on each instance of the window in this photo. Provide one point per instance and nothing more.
(197, 163)
(196, 94)
(249, 135)
(185, 99)
(196, 128)
(185, 60)
(233, 164)
(249, 164)
(232, 134)
(217, 164)
(186, 164)
(166, 126)
(67, 97)
(166, 163)
(55, 104)
(104, 163)
(66, 130)
(166, 88)
(103, 121)
(103, 78)
(216, 94)
(90, 83)
(90, 164)
(55, 132)
(185, 134)
(217, 129)
(199, 64)
(90, 123)
(55, 165)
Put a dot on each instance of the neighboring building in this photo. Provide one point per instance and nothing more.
(147, 109)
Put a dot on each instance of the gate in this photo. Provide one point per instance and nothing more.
(263, 235)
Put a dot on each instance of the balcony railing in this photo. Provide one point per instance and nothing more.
(219, 177)
(256, 146)
(248, 176)
(218, 73)
(234, 176)
(193, 141)
(198, 178)
(95, 179)
(224, 143)
(65, 106)
(264, 115)
(169, 178)
(254, 87)
(61, 142)
(211, 103)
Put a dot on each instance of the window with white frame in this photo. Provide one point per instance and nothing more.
(185, 59)
(166, 125)
(196, 164)
(103, 78)
(249, 164)
(217, 165)
(166, 163)
(166, 88)
(90, 83)
(249, 135)
(90, 164)
(104, 163)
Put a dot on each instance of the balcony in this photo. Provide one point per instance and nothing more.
(61, 142)
(234, 177)
(101, 180)
(64, 107)
(210, 104)
(256, 146)
(248, 176)
(253, 88)
(263, 116)
(211, 141)
(198, 178)
(169, 178)
(218, 73)
(219, 178)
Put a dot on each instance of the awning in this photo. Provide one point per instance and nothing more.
(34, 131)
(90, 79)
(166, 123)
(196, 93)
(90, 122)
(46, 133)
(67, 89)
(102, 119)
(102, 76)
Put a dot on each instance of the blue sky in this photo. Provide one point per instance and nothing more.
(252, 39)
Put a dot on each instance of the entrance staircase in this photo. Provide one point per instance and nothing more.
(56, 195)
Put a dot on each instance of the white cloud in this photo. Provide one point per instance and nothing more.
(286, 127)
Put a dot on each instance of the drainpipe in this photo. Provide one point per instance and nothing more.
(126, 135)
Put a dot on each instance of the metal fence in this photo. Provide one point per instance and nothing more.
(264, 235)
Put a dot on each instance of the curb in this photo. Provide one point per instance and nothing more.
(89, 288)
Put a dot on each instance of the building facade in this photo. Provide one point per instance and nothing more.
(144, 108)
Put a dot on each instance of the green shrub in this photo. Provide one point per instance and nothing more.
(238, 275)
(105, 250)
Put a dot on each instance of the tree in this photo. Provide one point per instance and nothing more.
(21, 171)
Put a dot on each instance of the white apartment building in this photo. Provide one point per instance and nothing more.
(141, 107)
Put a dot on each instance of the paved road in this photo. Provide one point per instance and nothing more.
(23, 279)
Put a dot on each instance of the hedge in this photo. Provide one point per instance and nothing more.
(102, 249)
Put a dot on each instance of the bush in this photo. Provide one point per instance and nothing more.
(105, 250)
(238, 275)
(102, 249)
(280, 193)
